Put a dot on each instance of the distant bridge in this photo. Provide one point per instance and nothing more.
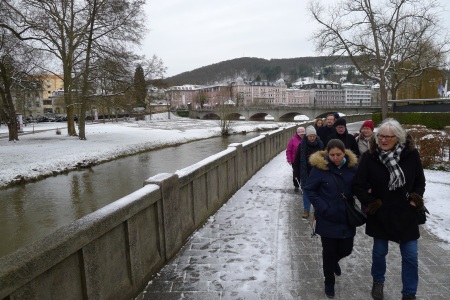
(279, 113)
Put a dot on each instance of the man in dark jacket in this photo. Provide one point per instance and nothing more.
(329, 128)
(342, 134)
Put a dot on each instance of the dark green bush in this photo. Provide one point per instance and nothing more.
(434, 120)
(183, 113)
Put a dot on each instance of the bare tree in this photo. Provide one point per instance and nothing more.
(388, 41)
(76, 31)
(201, 99)
(225, 110)
(113, 79)
(17, 63)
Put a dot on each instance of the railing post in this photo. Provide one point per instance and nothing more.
(172, 216)
(241, 171)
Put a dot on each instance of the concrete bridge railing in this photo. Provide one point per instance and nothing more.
(113, 252)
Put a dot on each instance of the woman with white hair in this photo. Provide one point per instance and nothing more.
(390, 182)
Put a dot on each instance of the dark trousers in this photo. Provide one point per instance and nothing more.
(293, 177)
(333, 250)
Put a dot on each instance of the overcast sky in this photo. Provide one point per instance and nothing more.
(189, 34)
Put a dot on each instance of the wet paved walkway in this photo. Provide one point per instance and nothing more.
(257, 246)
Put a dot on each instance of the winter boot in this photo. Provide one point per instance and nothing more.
(408, 297)
(377, 290)
(306, 214)
(329, 290)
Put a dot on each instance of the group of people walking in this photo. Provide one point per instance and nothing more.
(383, 171)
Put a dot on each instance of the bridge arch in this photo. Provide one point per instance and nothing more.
(234, 117)
(258, 117)
(211, 116)
(290, 117)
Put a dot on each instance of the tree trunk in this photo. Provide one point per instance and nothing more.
(384, 96)
(11, 116)
(84, 91)
(68, 100)
(82, 120)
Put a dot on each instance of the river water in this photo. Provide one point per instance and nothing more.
(30, 211)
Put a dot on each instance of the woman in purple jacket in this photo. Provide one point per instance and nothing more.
(291, 150)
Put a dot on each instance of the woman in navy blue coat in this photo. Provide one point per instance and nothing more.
(332, 175)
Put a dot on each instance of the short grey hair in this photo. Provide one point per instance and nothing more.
(395, 127)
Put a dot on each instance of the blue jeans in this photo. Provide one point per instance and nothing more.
(306, 202)
(410, 265)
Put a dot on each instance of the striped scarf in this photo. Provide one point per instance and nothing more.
(390, 159)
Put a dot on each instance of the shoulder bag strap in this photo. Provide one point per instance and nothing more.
(339, 186)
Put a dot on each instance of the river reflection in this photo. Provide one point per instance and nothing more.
(30, 211)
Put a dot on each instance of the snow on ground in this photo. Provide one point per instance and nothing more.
(44, 152)
(41, 152)
(436, 195)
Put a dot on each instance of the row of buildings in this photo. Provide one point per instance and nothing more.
(307, 92)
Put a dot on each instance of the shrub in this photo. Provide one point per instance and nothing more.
(433, 146)
(434, 120)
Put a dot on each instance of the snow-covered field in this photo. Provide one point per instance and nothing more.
(41, 152)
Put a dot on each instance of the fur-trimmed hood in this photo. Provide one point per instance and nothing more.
(320, 161)
(410, 143)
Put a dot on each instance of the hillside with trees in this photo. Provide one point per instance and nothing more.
(251, 68)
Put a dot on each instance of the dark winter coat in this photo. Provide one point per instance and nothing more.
(324, 131)
(325, 195)
(348, 140)
(301, 164)
(395, 220)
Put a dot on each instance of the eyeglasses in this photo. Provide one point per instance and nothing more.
(386, 137)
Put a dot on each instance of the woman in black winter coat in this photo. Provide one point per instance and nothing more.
(330, 177)
(390, 182)
(301, 165)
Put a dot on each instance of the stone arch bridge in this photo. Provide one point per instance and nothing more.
(279, 113)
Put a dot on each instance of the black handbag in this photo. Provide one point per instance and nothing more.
(422, 215)
(355, 216)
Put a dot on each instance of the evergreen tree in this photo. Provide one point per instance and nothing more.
(140, 87)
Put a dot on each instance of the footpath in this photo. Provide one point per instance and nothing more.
(257, 246)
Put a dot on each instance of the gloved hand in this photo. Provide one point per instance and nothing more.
(374, 206)
(417, 199)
